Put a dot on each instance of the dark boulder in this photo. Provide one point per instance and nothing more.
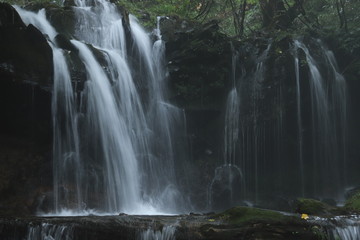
(9, 17)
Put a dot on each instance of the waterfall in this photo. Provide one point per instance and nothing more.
(231, 132)
(299, 121)
(65, 133)
(47, 231)
(66, 152)
(228, 177)
(258, 128)
(232, 115)
(259, 144)
(162, 116)
(346, 233)
(328, 121)
(120, 165)
(114, 150)
(344, 228)
(253, 129)
(167, 233)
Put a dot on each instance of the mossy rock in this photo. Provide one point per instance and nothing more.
(353, 203)
(312, 207)
(259, 224)
(244, 215)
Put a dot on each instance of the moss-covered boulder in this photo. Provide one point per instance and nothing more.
(353, 203)
(316, 207)
(253, 223)
(245, 215)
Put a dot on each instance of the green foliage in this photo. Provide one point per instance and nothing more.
(323, 14)
(315, 207)
(27, 2)
(242, 215)
(318, 15)
(154, 8)
(310, 206)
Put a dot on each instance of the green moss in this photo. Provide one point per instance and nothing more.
(353, 203)
(311, 206)
(147, 11)
(25, 3)
(242, 215)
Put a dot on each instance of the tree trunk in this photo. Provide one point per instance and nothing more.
(243, 11)
(342, 4)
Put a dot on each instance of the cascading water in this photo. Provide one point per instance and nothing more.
(120, 182)
(263, 150)
(49, 232)
(228, 176)
(66, 147)
(231, 132)
(65, 133)
(114, 151)
(252, 130)
(351, 232)
(244, 140)
(123, 139)
(167, 233)
(258, 128)
(328, 121)
(165, 121)
(299, 121)
(342, 228)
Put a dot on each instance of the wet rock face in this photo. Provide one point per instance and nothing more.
(62, 19)
(25, 53)
(225, 188)
(9, 17)
(25, 146)
(25, 122)
(199, 58)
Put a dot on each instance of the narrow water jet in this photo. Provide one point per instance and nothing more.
(225, 188)
(299, 121)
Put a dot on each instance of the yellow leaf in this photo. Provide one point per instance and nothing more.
(304, 216)
(211, 220)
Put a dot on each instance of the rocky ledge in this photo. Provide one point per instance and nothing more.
(236, 223)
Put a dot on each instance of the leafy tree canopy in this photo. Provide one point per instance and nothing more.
(241, 18)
